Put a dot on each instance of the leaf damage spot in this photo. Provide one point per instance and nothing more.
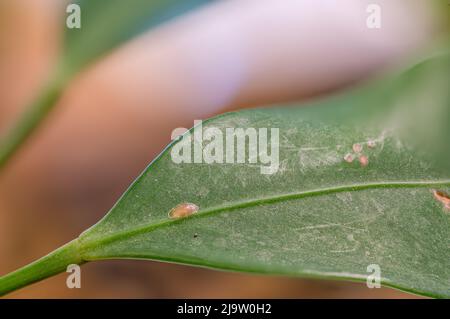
(442, 198)
(183, 210)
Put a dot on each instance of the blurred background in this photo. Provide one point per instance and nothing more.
(119, 114)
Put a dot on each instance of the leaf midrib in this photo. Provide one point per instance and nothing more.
(254, 202)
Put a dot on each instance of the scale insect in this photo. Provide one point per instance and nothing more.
(357, 148)
(442, 197)
(348, 158)
(183, 210)
(364, 160)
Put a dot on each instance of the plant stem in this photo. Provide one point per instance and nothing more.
(47, 266)
(30, 120)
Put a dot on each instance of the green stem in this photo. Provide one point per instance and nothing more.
(30, 120)
(47, 266)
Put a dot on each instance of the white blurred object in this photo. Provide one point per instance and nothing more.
(241, 52)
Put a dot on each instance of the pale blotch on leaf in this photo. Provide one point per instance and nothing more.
(357, 148)
(363, 160)
(183, 210)
(443, 198)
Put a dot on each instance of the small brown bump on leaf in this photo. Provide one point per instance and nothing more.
(442, 197)
(183, 210)
(348, 158)
(357, 148)
(195, 235)
(363, 160)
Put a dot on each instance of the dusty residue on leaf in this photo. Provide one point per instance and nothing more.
(443, 198)
(312, 158)
(183, 210)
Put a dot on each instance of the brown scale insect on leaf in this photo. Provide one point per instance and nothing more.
(371, 144)
(443, 198)
(183, 210)
(348, 158)
(364, 160)
(357, 148)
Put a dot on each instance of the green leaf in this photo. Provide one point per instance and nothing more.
(105, 24)
(317, 215)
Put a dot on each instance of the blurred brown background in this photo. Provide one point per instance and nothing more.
(119, 114)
